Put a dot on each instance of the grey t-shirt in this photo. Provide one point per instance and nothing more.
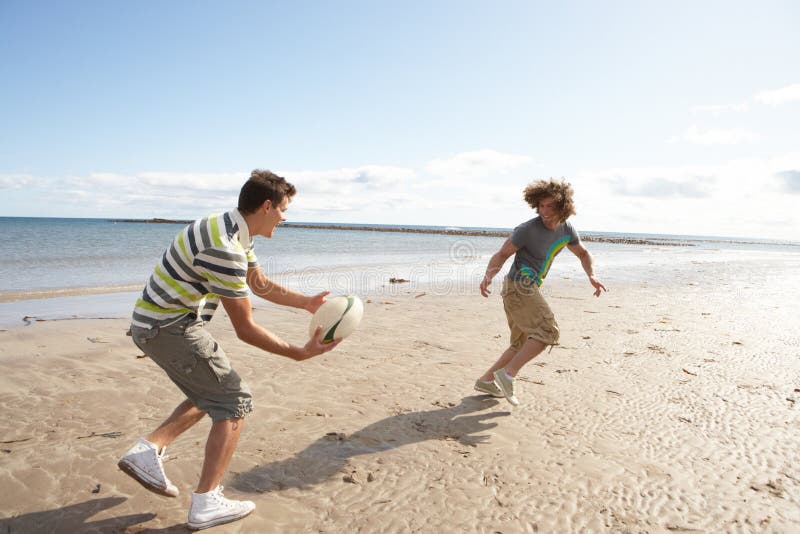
(538, 246)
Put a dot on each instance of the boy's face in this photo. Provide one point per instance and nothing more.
(548, 211)
(275, 216)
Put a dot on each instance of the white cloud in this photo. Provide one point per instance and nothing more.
(404, 196)
(230, 181)
(717, 110)
(17, 181)
(745, 197)
(437, 183)
(349, 180)
(660, 187)
(478, 163)
(653, 182)
(347, 190)
(773, 97)
(780, 96)
(170, 195)
(177, 183)
(731, 136)
(790, 179)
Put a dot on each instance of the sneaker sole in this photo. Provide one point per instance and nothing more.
(490, 393)
(218, 521)
(512, 399)
(135, 475)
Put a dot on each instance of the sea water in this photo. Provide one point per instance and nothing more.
(42, 254)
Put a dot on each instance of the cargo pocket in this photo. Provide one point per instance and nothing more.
(512, 299)
(547, 332)
(219, 364)
(208, 353)
(141, 336)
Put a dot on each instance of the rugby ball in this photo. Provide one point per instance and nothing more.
(338, 316)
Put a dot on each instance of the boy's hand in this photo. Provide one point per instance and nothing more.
(485, 286)
(597, 286)
(317, 346)
(315, 301)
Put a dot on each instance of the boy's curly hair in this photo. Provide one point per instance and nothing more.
(560, 191)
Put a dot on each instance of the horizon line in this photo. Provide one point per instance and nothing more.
(332, 225)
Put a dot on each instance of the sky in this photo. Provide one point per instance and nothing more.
(666, 117)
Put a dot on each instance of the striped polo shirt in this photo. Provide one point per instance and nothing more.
(208, 259)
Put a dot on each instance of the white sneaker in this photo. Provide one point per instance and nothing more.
(212, 508)
(488, 388)
(145, 465)
(506, 386)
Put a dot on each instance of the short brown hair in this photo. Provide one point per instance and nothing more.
(560, 191)
(263, 185)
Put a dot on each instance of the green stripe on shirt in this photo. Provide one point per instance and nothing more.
(213, 222)
(175, 285)
(158, 309)
(233, 285)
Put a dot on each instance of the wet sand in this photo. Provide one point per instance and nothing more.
(36, 294)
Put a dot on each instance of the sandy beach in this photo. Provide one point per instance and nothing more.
(668, 407)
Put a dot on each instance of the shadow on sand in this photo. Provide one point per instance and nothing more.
(74, 518)
(330, 454)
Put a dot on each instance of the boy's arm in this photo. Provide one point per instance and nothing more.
(240, 314)
(267, 289)
(495, 264)
(588, 265)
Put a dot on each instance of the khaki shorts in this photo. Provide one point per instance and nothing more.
(529, 316)
(196, 363)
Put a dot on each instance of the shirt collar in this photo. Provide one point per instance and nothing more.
(244, 231)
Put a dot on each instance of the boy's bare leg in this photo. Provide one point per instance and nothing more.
(506, 357)
(531, 349)
(221, 444)
(182, 419)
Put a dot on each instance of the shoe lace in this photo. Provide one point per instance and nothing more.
(161, 456)
(222, 500)
(218, 496)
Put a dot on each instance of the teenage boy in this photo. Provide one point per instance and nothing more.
(212, 261)
(534, 244)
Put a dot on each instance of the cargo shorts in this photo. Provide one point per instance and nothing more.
(528, 314)
(196, 363)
